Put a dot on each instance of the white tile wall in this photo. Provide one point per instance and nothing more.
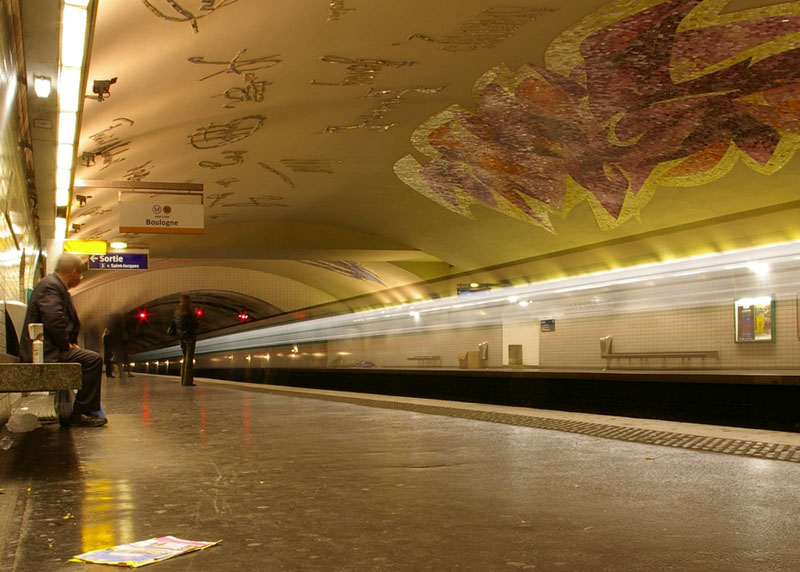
(15, 273)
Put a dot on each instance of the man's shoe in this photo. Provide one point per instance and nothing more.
(85, 420)
(110, 375)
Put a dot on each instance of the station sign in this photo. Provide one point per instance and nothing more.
(162, 215)
(119, 261)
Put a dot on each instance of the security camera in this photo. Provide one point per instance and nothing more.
(102, 88)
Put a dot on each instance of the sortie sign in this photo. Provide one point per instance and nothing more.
(119, 261)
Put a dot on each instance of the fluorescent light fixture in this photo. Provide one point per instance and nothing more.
(73, 36)
(67, 121)
(41, 86)
(756, 301)
(61, 226)
(118, 244)
(69, 89)
(759, 268)
(63, 178)
(64, 156)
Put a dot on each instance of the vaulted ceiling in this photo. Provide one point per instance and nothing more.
(379, 150)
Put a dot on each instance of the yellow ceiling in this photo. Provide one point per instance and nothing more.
(603, 133)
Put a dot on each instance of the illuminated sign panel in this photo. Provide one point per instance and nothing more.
(161, 216)
(119, 261)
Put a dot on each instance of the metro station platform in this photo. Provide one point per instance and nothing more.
(301, 479)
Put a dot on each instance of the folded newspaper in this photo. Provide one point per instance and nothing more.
(143, 552)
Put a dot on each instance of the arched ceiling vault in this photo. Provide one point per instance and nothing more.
(357, 147)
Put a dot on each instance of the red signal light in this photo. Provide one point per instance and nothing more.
(142, 315)
(244, 316)
(199, 312)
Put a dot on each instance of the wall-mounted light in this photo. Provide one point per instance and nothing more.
(118, 245)
(42, 86)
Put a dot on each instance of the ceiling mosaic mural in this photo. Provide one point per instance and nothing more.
(635, 95)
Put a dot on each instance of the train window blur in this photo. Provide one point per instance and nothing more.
(676, 306)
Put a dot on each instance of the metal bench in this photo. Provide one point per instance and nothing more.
(607, 354)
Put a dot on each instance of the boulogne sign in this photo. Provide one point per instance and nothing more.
(161, 217)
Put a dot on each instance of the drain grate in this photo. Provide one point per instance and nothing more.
(744, 448)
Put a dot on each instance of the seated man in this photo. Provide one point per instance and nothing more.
(51, 305)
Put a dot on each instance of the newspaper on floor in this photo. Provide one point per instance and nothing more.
(143, 552)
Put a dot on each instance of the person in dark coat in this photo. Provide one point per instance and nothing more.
(51, 305)
(186, 329)
(108, 352)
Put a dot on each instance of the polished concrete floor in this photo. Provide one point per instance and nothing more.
(305, 480)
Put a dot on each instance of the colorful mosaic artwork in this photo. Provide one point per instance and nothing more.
(347, 268)
(638, 94)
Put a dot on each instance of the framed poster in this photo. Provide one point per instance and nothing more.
(547, 325)
(754, 319)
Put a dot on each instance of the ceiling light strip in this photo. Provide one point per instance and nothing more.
(74, 23)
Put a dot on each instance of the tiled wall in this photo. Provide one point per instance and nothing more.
(18, 240)
(693, 315)
(672, 314)
(394, 350)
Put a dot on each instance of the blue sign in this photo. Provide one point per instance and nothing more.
(119, 261)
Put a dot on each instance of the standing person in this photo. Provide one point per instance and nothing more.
(186, 329)
(51, 305)
(108, 352)
(120, 340)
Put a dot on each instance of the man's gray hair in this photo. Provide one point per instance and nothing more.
(68, 262)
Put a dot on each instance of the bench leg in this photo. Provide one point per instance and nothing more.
(64, 398)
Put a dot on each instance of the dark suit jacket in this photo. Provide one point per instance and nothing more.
(51, 305)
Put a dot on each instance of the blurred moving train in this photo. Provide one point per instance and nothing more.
(712, 339)
(735, 311)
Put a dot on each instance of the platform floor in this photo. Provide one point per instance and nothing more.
(309, 480)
